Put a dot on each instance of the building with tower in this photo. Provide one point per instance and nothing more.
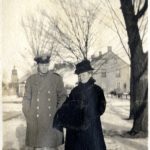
(14, 81)
(14, 77)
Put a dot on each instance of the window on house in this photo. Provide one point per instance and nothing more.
(103, 73)
(118, 85)
(118, 74)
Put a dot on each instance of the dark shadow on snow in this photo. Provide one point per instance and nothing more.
(20, 135)
(115, 132)
(110, 126)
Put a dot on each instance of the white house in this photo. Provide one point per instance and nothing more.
(111, 72)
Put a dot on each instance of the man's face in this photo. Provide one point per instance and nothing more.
(43, 68)
(84, 77)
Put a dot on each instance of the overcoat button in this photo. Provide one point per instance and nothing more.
(49, 92)
(37, 107)
(49, 99)
(37, 115)
(38, 100)
(49, 107)
(50, 115)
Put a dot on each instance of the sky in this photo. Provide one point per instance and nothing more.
(13, 38)
(14, 42)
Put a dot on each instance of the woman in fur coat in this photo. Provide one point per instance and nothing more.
(80, 113)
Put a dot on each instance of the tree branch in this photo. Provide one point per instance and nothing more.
(141, 12)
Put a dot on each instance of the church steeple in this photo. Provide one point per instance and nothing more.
(14, 75)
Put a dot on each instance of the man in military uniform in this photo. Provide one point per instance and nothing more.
(44, 94)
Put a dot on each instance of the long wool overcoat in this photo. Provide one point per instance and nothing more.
(80, 115)
(43, 96)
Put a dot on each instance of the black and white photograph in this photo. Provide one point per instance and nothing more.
(74, 75)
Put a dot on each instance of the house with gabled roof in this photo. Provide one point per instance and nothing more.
(111, 72)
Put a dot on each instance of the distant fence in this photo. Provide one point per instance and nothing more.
(119, 95)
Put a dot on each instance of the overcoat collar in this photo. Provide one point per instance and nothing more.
(91, 81)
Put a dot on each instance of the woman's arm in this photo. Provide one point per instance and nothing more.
(101, 100)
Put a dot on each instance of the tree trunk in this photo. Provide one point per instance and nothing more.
(138, 65)
(140, 125)
(131, 114)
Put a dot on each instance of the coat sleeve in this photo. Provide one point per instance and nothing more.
(61, 92)
(27, 98)
(58, 121)
(101, 100)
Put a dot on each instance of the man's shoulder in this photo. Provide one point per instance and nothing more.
(56, 74)
(31, 77)
(98, 87)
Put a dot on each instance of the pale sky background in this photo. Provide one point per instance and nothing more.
(14, 41)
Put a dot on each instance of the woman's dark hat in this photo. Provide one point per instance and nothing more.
(83, 66)
(44, 59)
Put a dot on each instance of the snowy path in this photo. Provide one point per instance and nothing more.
(114, 124)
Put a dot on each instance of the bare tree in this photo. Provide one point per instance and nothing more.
(36, 29)
(116, 20)
(72, 29)
(142, 25)
(133, 11)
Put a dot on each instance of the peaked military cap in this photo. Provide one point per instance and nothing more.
(43, 59)
(83, 66)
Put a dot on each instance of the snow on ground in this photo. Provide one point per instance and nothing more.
(14, 133)
(12, 106)
(12, 98)
(114, 122)
(12, 103)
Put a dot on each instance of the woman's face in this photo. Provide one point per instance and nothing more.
(84, 77)
(43, 68)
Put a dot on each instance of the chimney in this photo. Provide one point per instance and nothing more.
(109, 48)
